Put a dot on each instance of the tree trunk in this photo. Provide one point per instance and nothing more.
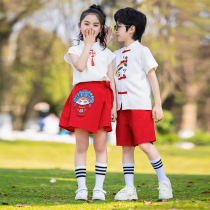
(207, 114)
(30, 113)
(189, 115)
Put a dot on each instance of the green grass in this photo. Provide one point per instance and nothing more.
(27, 167)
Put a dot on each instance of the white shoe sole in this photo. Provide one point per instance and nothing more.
(166, 197)
(85, 199)
(102, 199)
(128, 198)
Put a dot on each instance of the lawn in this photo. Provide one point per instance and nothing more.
(26, 169)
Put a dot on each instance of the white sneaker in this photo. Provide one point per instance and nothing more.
(165, 190)
(81, 194)
(98, 194)
(127, 193)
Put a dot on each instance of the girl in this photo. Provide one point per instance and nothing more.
(91, 106)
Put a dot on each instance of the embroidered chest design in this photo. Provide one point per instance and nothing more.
(81, 100)
(122, 67)
(92, 53)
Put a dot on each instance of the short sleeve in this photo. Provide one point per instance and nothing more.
(148, 61)
(110, 56)
(73, 50)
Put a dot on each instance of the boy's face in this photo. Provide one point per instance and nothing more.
(122, 34)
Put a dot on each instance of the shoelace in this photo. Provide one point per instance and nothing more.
(81, 189)
(129, 190)
(99, 190)
(163, 186)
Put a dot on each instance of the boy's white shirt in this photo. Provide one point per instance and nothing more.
(101, 59)
(131, 66)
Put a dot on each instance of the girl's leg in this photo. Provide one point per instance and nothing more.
(82, 143)
(99, 144)
(128, 164)
(154, 158)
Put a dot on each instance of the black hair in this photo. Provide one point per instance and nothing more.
(96, 10)
(130, 16)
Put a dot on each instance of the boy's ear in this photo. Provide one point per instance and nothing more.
(132, 29)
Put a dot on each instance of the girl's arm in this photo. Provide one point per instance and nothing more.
(157, 110)
(114, 107)
(108, 35)
(81, 62)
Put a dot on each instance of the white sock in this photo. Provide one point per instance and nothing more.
(100, 174)
(158, 166)
(81, 176)
(128, 169)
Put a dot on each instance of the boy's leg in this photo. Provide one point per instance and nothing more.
(125, 137)
(128, 165)
(82, 143)
(128, 192)
(165, 190)
(99, 144)
(154, 158)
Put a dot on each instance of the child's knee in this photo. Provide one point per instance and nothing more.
(128, 149)
(145, 147)
(82, 148)
(100, 148)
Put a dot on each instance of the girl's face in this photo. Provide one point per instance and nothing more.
(90, 21)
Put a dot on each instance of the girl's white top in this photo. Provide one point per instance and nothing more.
(97, 65)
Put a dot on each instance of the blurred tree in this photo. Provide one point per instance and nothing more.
(39, 74)
(10, 13)
(178, 33)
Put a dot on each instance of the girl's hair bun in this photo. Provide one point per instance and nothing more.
(97, 7)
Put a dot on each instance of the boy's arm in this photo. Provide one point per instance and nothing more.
(157, 110)
(111, 77)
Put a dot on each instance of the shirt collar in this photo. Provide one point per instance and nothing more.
(134, 44)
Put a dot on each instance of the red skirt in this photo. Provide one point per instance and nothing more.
(88, 107)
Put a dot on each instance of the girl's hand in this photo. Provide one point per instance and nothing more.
(113, 114)
(89, 37)
(157, 110)
(108, 31)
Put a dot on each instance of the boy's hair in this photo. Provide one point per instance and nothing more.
(130, 16)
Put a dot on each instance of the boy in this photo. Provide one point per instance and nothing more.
(134, 71)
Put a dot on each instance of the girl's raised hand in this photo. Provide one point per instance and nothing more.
(89, 37)
(108, 31)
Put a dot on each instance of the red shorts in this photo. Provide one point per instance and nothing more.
(88, 107)
(134, 127)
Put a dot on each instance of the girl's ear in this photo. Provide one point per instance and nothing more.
(79, 26)
(101, 28)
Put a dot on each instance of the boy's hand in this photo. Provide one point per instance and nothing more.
(113, 114)
(89, 37)
(108, 31)
(157, 110)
